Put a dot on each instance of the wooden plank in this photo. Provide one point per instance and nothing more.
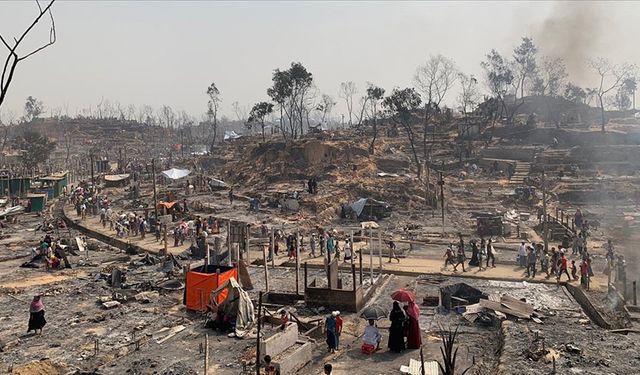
(515, 304)
(503, 309)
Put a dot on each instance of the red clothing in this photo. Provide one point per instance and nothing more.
(584, 268)
(414, 336)
(338, 324)
(564, 262)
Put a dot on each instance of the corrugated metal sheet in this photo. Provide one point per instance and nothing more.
(430, 368)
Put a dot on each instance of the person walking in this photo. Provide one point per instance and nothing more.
(330, 243)
(460, 258)
(392, 251)
(490, 254)
(330, 327)
(312, 245)
(36, 315)
(584, 274)
(474, 254)
(339, 323)
(323, 242)
(482, 254)
(348, 254)
(563, 267)
(531, 262)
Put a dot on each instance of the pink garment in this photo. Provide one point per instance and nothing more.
(36, 305)
(414, 311)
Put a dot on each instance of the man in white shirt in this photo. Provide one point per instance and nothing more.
(522, 255)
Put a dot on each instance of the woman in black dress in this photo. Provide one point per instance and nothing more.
(474, 254)
(36, 317)
(396, 331)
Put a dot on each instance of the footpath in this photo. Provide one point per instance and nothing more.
(409, 266)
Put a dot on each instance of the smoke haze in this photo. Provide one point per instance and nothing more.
(574, 33)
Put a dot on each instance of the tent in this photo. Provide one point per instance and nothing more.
(175, 173)
(116, 180)
(369, 208)
(238, 301)
(201, 281)
(230, 134)
(214, 182)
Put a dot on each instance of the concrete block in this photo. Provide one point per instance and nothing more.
(294, 361)
(280, 341)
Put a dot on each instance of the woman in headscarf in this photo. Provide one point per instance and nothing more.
(414, 336)
(396, 331)
(330, 327)
(36, 318)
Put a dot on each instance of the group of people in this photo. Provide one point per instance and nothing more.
(322, 243)
(53, 253)
(482, 253)
(404, 332)
(198, 229)
(555, 263)
(333, 330)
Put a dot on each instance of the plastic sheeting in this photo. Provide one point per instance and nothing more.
(175, 173)
(358, 205)
(239, 301)
(230, 134)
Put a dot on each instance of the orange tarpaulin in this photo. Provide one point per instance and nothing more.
(201, 281)
(168, 205)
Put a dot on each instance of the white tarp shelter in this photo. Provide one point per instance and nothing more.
(230, 134)
(175, 173)
(237, 301)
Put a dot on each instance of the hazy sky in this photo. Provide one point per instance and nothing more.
(168, 52)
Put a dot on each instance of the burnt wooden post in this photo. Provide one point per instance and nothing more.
(305, 277)
(266, 270)
(353, 275)
(258, 336)
(297, 254)
(206, 354)
(573, 225)
(635, 296)
(360, 258)
(329, 275)
(272, 248)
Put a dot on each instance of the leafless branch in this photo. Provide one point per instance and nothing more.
(9, 65)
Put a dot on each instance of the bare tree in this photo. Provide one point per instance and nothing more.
(32, 109)
(549, 78)
(131, 112)
(324, 107)
(433, 79)
(499, 75)
(469, 95)
(611, 77)
(167, 116)
(524, 68)
(240, 111)
(14, 57)
(374, 98)
(400, 106)
(347, 91)
(212, 111)
(146, 115)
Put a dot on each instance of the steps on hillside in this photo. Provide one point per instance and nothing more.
(522, 170)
